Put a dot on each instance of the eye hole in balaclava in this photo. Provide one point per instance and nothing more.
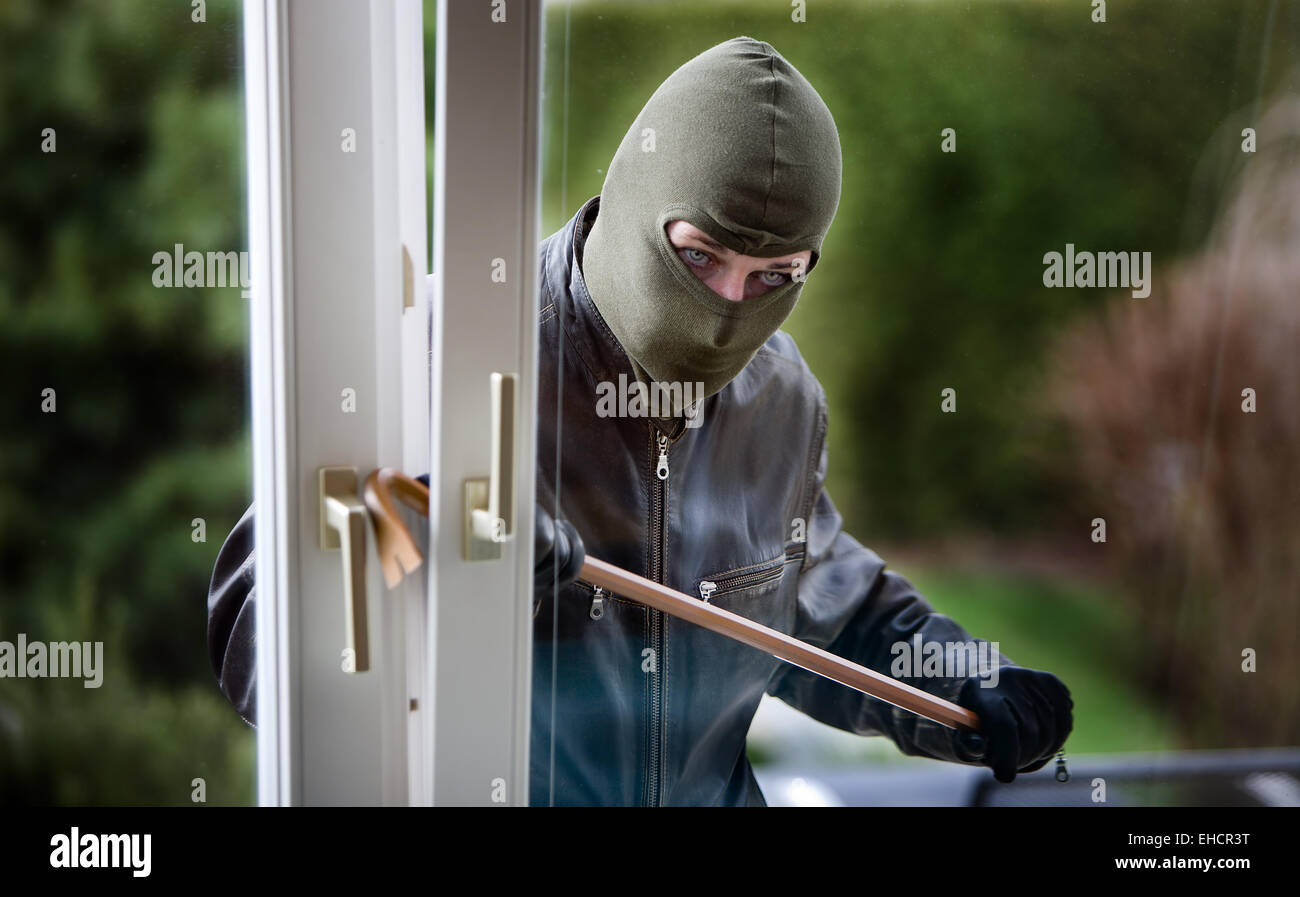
(739, 144)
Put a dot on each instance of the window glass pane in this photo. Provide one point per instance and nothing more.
(124, 324)
(1054, 321)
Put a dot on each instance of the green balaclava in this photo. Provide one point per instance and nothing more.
(739, 144)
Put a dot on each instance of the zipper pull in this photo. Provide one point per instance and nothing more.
(597, 604)
(1062, 774)
(662, 470)
(707, 589)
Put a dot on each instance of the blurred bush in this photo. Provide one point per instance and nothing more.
(1184, 413)
(150, 426)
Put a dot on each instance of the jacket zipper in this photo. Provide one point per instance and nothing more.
(658, 492)
(710, 588)
(599, 595)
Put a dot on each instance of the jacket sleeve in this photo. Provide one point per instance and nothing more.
(232, 620)
(851, 605)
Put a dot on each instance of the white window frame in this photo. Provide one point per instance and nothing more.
(486, 207)
(340, 300)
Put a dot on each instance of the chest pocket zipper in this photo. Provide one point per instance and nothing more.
(742, 578)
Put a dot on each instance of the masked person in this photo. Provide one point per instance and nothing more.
(673, 283)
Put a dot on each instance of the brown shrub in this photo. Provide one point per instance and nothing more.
(1201, 499)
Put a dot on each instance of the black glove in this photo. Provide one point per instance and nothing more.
(557, 552)
(1023, 721)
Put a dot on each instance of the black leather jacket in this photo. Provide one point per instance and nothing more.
(649, 709)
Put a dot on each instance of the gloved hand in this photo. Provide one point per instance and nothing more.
(1023, 721)
(557, 552)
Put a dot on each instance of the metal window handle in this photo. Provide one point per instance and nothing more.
(490, 502)
(343, 525)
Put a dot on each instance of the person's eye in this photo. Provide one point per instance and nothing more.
(773, 278)
(695, 256)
